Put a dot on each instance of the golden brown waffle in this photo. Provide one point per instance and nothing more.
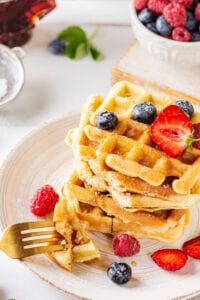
(121, 181)
(159, 221)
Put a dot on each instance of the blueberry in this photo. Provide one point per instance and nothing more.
(57, 46)
(163, 27)
(106, 120)
(195, 36)
(146, 16)
(152, 26)
(144, 112)
(186, 107)
(119, 273)
(191, 23)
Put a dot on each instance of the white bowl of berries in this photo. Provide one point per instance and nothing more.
(169, 29)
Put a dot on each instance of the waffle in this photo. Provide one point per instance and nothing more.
(121, 181)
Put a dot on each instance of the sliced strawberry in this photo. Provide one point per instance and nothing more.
(170, 259)
(171, 130)
(192, 247)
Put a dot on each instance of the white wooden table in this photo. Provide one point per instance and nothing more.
(55, 85)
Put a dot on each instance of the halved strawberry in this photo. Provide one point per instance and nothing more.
(171, 130)
(192, 247)
(170, 259)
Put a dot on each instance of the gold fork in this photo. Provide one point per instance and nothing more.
(30, 238)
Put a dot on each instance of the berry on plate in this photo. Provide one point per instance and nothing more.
(125, 245)
(119, 273)
(170, 259)
(191, 23)
(192, 247)
(175, 14)
(144, 112)
(44, 201)
(185, 3)
(172, 131)
(195, 37)
(106, 120)
(152, 27)
(196, 133)
(186, 107)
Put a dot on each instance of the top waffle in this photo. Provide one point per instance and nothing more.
(128, 149)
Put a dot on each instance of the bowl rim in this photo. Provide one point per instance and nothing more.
(17, 58)
(155, 36)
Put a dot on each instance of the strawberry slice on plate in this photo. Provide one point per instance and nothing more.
(172, 131)
(170, 259)
(192, 247)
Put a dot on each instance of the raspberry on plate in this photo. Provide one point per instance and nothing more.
(44, 201)
(125, 245)
(175, 14)
(181, 34)
(170, 259)
(157, 6)
(196, 128)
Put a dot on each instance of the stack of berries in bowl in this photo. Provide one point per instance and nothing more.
(178, 20)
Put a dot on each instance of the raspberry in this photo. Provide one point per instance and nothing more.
(140, 4)
(196, 128)
(181, 34)
(175, 14)
(197, 12)
(157, 6)
(44, 201)
(183, 2)
(125, 245)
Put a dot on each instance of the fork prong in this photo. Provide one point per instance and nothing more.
(41, 241)
(43, 249)
(53, 233)
(32, 225)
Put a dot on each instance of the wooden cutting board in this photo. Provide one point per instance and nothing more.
(137, 65)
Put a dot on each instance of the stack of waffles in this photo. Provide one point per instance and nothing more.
(121, 181)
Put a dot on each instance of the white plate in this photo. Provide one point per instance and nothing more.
(42, 157)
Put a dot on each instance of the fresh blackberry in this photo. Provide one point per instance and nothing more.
(119, 273)
(186, 107)
(146, 16)
(195, 36)
(162, 26)
(144, 112)
(106, 120)
(191, 23)
(57, 47)
(152, 27)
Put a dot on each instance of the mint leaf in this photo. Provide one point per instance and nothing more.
(78, 44)
(95, 53)
(73, 34)
(81, 50)
(76, 50)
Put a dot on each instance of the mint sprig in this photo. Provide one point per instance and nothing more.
(78, 44)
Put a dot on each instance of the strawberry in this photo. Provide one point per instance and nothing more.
(172, 131)
(170, 259)
(192, 247)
